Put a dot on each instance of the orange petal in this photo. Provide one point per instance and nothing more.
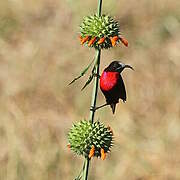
(124, 41)
(101, 40)
(80, 37)
(92, 41)
(91, 152)
(69, 146)
(103, 154)
(84, 39)
(113, 40)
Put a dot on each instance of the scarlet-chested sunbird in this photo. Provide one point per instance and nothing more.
(112, 85)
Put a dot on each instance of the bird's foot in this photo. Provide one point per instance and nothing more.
(92, 108)
(96, 108)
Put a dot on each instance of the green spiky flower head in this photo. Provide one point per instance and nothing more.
(99, 32)
(90, 139)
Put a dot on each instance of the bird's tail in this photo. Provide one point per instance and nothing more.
(113, 107)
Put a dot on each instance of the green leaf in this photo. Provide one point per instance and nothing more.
(90, 79)
(87, 82)
(78, 178)
(82, 73)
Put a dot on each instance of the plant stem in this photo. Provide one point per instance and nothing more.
(93, 104)
(86, 169)
(99, 7)
(96, 83)
(94, 92)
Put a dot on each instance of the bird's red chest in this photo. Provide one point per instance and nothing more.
(108, 80)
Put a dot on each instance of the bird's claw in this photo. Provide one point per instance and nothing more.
(92, 108)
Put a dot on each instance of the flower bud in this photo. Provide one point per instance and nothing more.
(90, 139)
(103, 31)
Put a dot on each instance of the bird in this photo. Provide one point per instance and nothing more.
(112, 85)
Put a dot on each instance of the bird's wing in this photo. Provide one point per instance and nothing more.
(121, 89)
(116, 93)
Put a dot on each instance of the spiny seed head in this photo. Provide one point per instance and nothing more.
(88, 139)
(99, 27)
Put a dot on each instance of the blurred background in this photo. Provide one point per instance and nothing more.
(40, 54)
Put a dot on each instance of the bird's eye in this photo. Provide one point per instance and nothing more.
(120, 64)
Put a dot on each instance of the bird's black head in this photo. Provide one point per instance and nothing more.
(117, 66)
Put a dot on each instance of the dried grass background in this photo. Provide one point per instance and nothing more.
(40, 54)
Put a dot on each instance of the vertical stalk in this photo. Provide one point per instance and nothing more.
(94, 92)
(99, 7)
(96, 83)
(86, 169)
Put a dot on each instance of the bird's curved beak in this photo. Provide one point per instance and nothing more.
(128, 66)
(123, 66)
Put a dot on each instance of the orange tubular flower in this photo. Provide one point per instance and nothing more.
(101, 40)
(103, 154)
(69, 146)
(80, 37)
(91, 152)
(124, 41)
(92, 41)
(113, 40)
(83, 40)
